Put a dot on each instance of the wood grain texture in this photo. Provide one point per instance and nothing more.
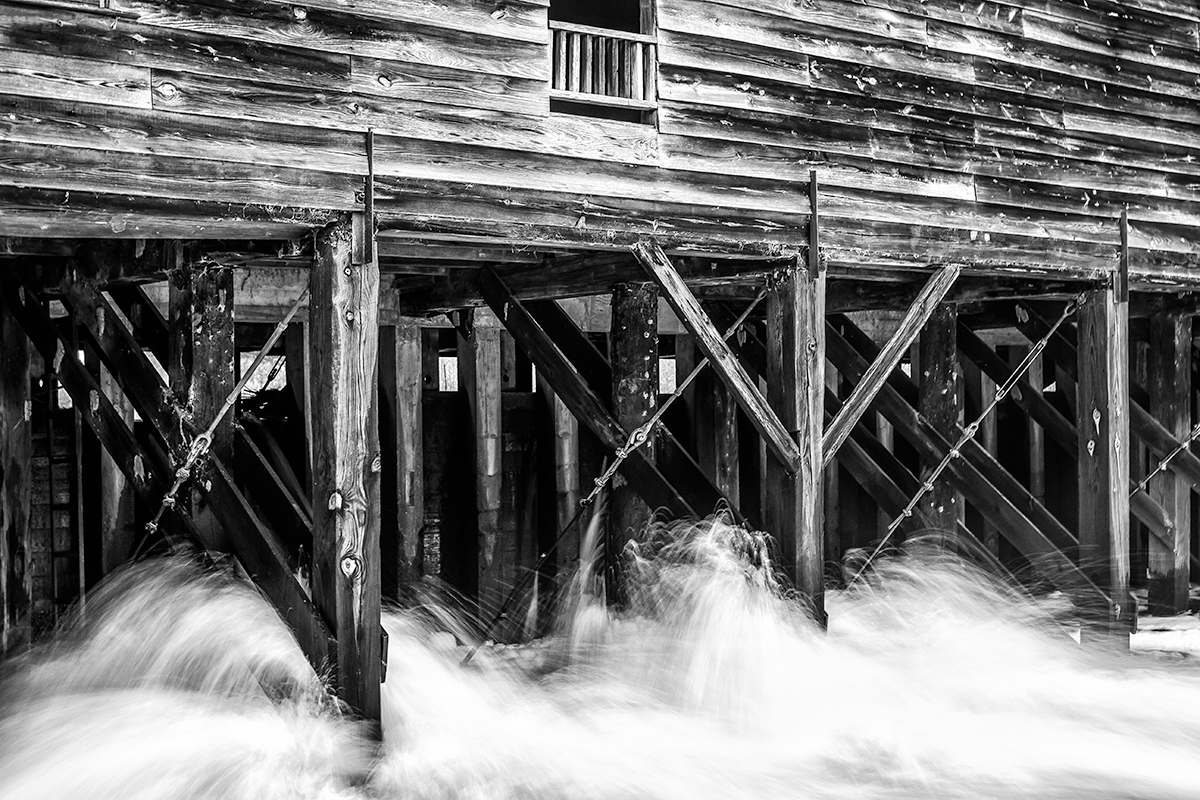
(78, 79)
(726, 364)
(1170, 388)
(864, 392)
(337, 32)
(346, 571)
(16, 488)
(1103, 411)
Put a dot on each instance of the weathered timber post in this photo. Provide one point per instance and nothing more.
(634, 397)
(937, 401)
(831, 503)
(299, 380)
(16, 484)
(344, 335)
(712, 413)
(1170, 402)
(200, 365)
(795, 389)
(565, 431)
(979, 391)
(479, 368)
(402, 385)
(1103, 423)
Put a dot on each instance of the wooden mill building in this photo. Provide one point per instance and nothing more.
(510, 226)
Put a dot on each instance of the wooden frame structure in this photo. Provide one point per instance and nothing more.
(895, 187)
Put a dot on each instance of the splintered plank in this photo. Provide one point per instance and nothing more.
(866, 389)
(569, 386)
(724, 362)
(343, 312)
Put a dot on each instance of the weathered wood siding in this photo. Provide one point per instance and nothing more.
(1000, 133)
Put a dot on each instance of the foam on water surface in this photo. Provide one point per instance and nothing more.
(932, 682)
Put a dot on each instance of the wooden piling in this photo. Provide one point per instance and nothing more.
(16, 483)
(200, 366)
(346, 463)
(634, 337)
(1170, 388)
(795, 389)
(402, 386)
(1103, 424)
(479, 375)
(937, 401)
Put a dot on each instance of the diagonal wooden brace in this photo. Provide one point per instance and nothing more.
(570, 386)
(859, 400)
(779, 440)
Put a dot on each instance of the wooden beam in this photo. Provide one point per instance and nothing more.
(675, 463)
(715, 419)
(587, 407)
(796, 386)
(724, 362)
(986, 465)
(1025, 534)
(1142, 424)
(1104, 450)
(344, 339)
(1048, 418)
(889, 357)
(479, 377)
(401, 383)
(564, 429)
(1170, 402)
(633, 343)
(16, 482)
(200, 366)
(938, 403)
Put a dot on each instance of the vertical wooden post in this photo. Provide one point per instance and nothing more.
(117, 534)
(635, 396)
(1103, 397)
(565, 430)
(344, 333)
(479, 376)
(200, 365)
(1170, 396)
(402, 385)
(716, 423)
(938, 403)
(795, 389)
(1037, 436)
(979, 390)
(299, 378)
(16, 484)
(833, 484)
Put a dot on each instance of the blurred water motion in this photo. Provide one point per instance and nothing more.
(932, 682)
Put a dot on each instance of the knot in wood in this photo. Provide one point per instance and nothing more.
(350, 567)
(335, 501)
(300, 13)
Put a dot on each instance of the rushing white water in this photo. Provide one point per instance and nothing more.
(932, 682)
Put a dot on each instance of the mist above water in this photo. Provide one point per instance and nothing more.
(933, 681)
